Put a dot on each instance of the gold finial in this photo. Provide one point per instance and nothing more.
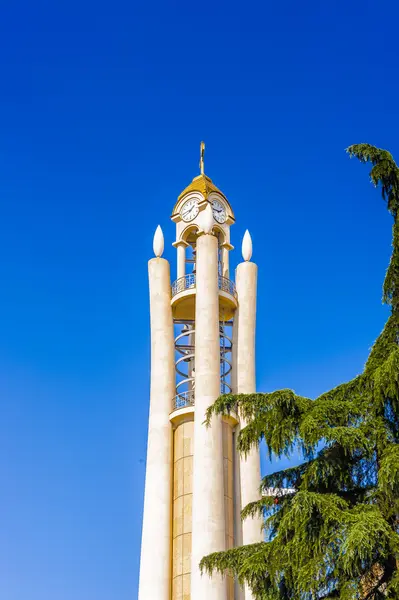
(202, 152)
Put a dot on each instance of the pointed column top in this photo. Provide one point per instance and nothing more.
(247, 246)
(158, 242)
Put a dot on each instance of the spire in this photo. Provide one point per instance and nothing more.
(202, 153)
(202, 184)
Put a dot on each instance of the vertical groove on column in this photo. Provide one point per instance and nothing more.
(228, 497)
(182, 510)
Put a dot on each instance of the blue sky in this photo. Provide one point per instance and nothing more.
(102, 108)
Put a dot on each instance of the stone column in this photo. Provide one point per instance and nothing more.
(245, 383)
(155, 565)
(181, 259)
(208, 519)
(225, 260)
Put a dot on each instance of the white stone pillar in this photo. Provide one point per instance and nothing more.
(225, 260)
(155, 566)
(245, 383)
(181, 259)
(208, 519)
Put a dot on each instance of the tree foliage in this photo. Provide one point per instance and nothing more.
(335, 535)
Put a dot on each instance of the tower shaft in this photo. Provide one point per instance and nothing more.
(196, 483)
(208, 516)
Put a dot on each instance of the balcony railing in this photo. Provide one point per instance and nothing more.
(183, 283)
(226, 285)
(183, 400)
(186, 399)
(189, 281)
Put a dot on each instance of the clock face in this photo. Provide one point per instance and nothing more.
(189, 210)
(219, 211)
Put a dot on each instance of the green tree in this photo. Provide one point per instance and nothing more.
(336, 534)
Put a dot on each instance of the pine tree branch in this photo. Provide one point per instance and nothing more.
(342, 517)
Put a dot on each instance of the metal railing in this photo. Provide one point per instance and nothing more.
(183, 283)
(188, 282)
(226, 285)
(183, 400)
(186, 399)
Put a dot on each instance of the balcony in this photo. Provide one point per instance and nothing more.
(183, 283)
(183, 400)
(188, 282)
(186, 400)
(184, 294)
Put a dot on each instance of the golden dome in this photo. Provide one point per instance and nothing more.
(202, 183)
(205, 186)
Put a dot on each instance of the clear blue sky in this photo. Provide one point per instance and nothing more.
(102, 108)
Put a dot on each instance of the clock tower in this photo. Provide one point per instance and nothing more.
(202, 345)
